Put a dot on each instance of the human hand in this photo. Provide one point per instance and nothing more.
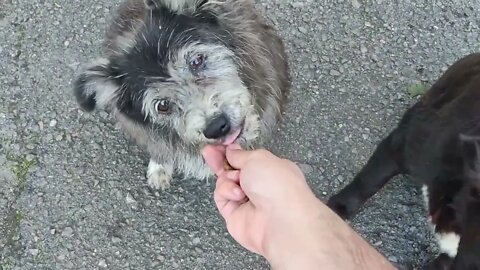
(270, 210)
(263, 194)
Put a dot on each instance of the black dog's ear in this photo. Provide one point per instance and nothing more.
(95, 87)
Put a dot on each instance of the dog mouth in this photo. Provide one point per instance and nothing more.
(233, 136)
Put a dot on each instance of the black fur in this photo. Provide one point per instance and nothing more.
(150, 57)
(86, 101)
(430, 144)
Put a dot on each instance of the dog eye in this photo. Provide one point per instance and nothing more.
(197, 62)
(163, 106)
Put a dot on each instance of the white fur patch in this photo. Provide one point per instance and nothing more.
(180, 5)
(448, 243)
(159, 175)
(105, 91)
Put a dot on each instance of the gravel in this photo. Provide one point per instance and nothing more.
(72, 189)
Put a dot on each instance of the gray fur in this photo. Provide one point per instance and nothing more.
(250, 84)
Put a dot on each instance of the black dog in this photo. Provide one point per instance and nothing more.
(438, 143)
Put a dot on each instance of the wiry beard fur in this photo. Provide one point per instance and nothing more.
(148, 55)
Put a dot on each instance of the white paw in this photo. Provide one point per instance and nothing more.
(159, 176)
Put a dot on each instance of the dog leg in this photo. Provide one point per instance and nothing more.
(442, 262)
(159, 175)
(381, 167)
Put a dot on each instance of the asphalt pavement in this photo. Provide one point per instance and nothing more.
(72, 188)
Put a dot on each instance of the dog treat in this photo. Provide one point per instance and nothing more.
(227, 166)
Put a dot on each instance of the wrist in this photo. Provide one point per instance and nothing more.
(289, 242)
(312, 236)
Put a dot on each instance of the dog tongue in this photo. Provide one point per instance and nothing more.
(231, 137)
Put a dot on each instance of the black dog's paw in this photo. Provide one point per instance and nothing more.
(442, 262)
(346, 208)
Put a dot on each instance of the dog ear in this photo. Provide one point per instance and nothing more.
(95, 87)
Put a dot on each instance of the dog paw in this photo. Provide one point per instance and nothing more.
(159, 176)
(343, 207)
(159, 180)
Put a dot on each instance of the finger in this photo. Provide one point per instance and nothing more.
(223, 200)
(229, 190)
(237, 157)
(214, 157)
(233, 175)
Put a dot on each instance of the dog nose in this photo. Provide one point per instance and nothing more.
(218, 127)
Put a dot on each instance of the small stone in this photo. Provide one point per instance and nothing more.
(129, 199)
(66, 43)
(40, 125)
(67, 232)
(363, 49)
(302, 30)
(161, 258)
(30, 146)
(297, 4)
(310, 154)
(59, 137)
(393, 259)
(33, 252)
(378, 243)
(355, 4)
(306, 169)
(116, 240)
(102, 263)
(334, 72)
(53, 231)
(196, 241)
(53, 123)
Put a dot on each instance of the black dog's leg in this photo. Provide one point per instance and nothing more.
(382, 166)
(442, 262)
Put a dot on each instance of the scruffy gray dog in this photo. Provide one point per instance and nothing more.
(180, 74)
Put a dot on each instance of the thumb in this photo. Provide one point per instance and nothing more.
(236, 156)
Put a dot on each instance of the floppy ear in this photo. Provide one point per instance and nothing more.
(95, 87)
